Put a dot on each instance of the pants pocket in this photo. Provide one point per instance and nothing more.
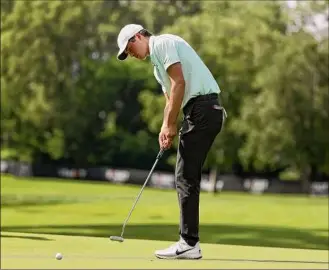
(207, 115)
(187, 125)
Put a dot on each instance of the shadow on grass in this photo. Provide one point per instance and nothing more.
(26, 237)
(265, 261)
(11, 200)
(222, 233)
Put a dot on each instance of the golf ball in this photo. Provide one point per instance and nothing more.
(59, 256)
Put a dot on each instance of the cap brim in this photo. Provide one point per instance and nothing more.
(121, 54)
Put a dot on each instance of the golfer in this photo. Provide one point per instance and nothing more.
(187, 84)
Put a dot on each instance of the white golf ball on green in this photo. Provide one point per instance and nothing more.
(59, 256)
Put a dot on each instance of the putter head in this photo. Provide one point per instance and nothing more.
(117, 238)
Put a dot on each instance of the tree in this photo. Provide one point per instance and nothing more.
(64, 94)
(42, 43)
(231, 37)
(285, 124)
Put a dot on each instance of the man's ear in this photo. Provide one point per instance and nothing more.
(138, 36)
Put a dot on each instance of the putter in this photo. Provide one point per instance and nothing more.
(120, 238)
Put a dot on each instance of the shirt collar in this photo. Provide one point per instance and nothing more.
(151, 47)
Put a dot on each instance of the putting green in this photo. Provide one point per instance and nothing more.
(36, 251)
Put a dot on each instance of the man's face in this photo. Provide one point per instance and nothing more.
(137, 47)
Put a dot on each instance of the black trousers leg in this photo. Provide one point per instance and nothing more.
(200, 127)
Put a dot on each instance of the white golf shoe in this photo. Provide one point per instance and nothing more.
(180, 250)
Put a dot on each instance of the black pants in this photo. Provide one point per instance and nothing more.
(203, 119)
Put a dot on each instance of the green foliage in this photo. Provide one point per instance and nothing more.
(59, 80)
(8, 153)
(289, 174)
(65, 96)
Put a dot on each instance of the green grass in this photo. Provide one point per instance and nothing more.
(237, 230)
(29, 251)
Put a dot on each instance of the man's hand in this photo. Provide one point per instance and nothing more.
(167, 135)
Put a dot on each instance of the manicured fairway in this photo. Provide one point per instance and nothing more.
(40, 217)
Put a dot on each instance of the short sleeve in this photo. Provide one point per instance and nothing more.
(163, 89)
(167, 52)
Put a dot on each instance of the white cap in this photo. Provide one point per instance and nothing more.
(125, 34)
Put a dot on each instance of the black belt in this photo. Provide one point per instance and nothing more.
(207, 97)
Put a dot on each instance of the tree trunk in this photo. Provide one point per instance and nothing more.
(305, 178)
(213, 179)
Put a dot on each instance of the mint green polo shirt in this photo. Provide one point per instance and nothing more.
(168, 49)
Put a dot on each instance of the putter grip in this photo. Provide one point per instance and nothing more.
(160, 153)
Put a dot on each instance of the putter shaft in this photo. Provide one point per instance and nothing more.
(141, 191)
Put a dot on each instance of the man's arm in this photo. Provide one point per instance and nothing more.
(167, 97)
(168, 56)
(174, 101)
(166, 107)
